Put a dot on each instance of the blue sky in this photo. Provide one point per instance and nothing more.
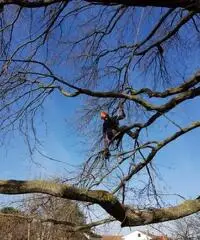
(178, 164)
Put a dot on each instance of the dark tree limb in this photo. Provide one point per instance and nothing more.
(171, 91)
(128, 216)
(31, 4)
(153, 3)
(187, 4)
(182, 93)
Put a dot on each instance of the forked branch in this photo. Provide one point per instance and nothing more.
(127, 215)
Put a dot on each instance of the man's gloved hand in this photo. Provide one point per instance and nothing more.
(106, 153)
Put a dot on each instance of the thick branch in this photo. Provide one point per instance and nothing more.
(106, 200)
(187, 4)
(184, 92)
(126, 215)
(137, 218)
(31, 4)
(171, 91)
(189, 94)
(154, 3)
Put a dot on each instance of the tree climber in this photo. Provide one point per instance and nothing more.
(110, 129)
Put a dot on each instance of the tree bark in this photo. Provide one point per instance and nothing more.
(187, 4)
(127, 215)
(153, 3)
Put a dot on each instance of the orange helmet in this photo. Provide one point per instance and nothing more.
(104, 115)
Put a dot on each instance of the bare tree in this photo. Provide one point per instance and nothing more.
(11, 227)
(186, 228)
(44, 217)
(106, 52)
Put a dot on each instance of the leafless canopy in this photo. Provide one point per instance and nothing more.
(105, 52)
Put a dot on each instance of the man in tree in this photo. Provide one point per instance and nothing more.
(110, 129)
